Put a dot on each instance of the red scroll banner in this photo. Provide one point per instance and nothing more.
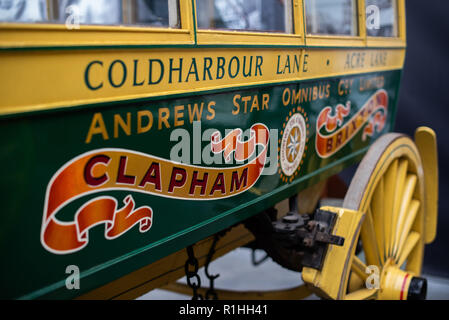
(125, 170)
(374, 112)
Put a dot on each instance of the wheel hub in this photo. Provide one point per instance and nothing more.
(397, 284)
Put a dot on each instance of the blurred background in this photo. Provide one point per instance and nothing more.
(424, 102)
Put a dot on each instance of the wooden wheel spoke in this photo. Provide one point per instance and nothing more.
(389, 192)
(359, 267)
(377, 214)
(410, 217)
(410, 243)
(407, 194)
(369, 241)
(401, 191)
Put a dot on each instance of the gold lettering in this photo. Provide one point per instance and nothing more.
(246, 99)
(140, 115)
(265, 100)
(236, 105)
(211, 110)
(255, 104)
(97, 126)
(195, 111)
(126, 127)
(179, 113)
(164, 114)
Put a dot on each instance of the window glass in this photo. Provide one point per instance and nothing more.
(331, 17)
(381, 18)
(249, 15)
(157, 13)
(90, 12)
(23, 11)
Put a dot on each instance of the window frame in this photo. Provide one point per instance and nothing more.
(49, 34)
(400, 39)
(129, 13)
(217, 37)
(362, 40)
(319, 40)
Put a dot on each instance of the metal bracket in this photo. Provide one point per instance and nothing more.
(311, 236)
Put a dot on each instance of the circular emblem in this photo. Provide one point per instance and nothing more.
(292, 145)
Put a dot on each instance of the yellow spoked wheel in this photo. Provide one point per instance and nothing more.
(389, 187)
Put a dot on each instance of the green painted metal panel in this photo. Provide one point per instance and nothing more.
(36, 146)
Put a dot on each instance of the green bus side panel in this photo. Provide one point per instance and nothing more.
(35, 147)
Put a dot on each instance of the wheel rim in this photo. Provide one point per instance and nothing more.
(388, 188)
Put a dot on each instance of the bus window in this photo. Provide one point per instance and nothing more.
(156, 13)
(331, 17)
(248, 15)
(381, 18)
(23, 11)
(106, 12)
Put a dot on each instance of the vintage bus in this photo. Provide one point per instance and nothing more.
(142, 139)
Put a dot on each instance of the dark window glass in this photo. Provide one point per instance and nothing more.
(156, 13)
(248, 15)
(381, 17)
(106, 12)
(23, 11)
(331, 17)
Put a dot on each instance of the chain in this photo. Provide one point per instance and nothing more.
(193, 274)
(211, 294)
(256, 262)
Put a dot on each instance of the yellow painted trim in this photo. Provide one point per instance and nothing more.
(331, 281)
(402, 25)
(385, 42)
(223, 37)
(65, 73)
(334, 41)
(12, 36)
(426, 142)
(186, 12)
(298, 23)
(361, 19)
(186, 15)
